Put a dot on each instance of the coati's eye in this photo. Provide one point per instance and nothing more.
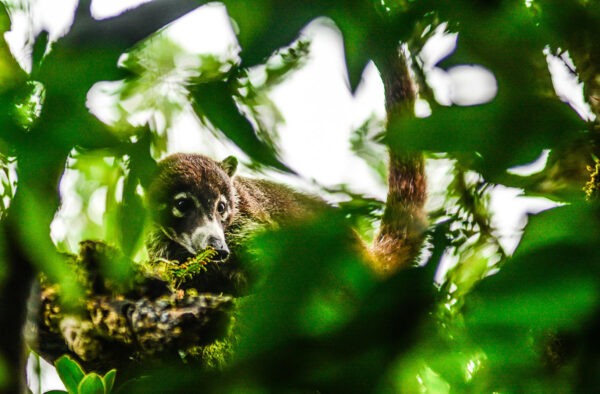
(221, 207)
(184, 205)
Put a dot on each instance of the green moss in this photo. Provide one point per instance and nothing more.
(171, 275)
(176, 273)
(592, 186)
(217, 355)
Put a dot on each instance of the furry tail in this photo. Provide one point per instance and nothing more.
(404, 220)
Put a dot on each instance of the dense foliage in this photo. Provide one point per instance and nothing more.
(492, 321)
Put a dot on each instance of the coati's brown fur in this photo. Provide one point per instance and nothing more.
(404, 220)
(251, 204)
(256, 203)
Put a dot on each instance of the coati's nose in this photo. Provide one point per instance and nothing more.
(220, 247)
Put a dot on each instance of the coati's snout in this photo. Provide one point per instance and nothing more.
(220, 247)
(209, 234)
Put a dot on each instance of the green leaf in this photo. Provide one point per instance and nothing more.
(267, 25)
(574, 224)
(359, 28)
(514, 314)
(33, 207)
(136, 385)
(553, 273)
(322, 247)
(215, 102)
(91, 384)
(357, 50)
(4, 374)
(39, 50)
(555, 288)
(131, 214)
(109, 380)
(70, 373)
(523, 126)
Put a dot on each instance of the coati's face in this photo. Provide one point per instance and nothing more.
(192, 202)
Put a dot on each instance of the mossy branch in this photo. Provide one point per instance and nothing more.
(113, 325)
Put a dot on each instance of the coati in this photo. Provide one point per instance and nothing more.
(198, 202)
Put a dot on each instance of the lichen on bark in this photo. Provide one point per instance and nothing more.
(124, 325)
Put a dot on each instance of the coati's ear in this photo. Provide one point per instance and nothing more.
(229, 164)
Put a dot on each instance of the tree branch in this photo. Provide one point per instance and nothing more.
(128, 28)
(111, 328)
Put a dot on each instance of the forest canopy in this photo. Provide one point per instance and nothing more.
(473, 315)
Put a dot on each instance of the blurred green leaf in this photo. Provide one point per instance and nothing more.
(297, 297)
(574, 224)
(254, 91)
(557, 255)
(373, 31)
(505, 132)
(319, 303)
(550, 285)
(139, 385)
(4, 378)
(364, 143)
(553, 287)
(357, 43)
(573, 25)
(256, 22)
(39, 51)
(319, 315)
(36, 211)
(215, 102)
(29, 104)
(131, 211)
(11, 74)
